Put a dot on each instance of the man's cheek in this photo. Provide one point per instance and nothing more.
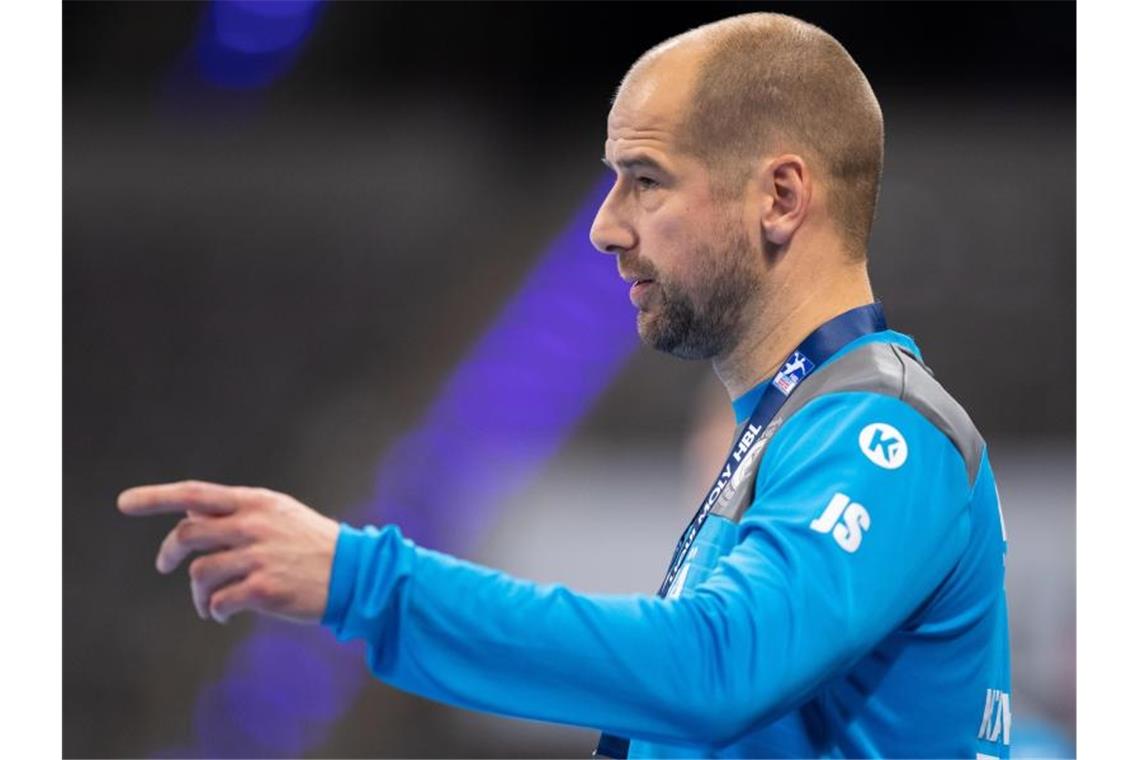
(672, 229)
(670, 247)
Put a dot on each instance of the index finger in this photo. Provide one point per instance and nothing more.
(193, 496)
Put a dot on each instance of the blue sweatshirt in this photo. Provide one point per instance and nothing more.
(856, 608)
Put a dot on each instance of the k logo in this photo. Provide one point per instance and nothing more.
(883, 445)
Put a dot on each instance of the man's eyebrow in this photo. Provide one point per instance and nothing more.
(633, 162)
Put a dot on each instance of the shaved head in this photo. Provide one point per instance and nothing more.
(765, 83)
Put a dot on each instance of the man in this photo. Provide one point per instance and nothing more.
(840, 590)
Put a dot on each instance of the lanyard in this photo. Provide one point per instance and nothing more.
(815, 349)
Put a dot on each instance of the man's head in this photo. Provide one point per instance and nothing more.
(738, 146)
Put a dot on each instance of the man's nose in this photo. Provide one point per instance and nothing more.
(610, 233)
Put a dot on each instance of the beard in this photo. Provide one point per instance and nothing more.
(703, 320)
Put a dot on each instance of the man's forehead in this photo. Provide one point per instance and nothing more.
(631, 126)
(651, 118)
(653, 101)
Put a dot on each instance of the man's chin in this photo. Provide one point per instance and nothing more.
(648, 328)
(661, 338)
(645, 321)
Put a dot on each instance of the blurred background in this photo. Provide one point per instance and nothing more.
(307, 243)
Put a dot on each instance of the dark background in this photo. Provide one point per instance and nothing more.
(269, 285)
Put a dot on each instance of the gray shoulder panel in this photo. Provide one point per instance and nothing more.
(883, 368)
(891, 370)
(927, 396)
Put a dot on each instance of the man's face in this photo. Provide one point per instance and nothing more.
(686, 251)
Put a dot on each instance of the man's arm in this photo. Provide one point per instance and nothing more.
(836, 552)
(812, 585)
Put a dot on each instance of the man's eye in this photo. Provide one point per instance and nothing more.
(646, 183)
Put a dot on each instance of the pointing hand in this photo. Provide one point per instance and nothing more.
(261, 550)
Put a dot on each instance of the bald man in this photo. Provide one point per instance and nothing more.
(839, 591)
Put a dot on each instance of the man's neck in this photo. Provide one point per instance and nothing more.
(781, 326)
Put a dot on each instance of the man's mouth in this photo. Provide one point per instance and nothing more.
(638, 291)
(633, 279)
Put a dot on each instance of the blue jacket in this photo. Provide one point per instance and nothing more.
(856, 607)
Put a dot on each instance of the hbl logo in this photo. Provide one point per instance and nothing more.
(884, 445)
(795, 369)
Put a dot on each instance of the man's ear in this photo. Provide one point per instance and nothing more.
(787, 186)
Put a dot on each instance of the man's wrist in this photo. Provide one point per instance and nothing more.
(368, 566)
(342, 577)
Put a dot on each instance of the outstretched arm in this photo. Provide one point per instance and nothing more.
(790, 606)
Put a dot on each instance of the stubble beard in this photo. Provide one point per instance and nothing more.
(705, 321)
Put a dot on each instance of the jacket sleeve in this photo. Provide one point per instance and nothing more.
(790, 606)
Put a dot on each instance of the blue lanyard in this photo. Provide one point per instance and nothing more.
(815, 349)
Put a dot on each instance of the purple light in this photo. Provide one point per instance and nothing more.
(516, 396)
(265, 26)
(240, 47)
(283, 687)
(245, 45)
(505, 410)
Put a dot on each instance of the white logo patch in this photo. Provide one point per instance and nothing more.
(884, 445)
(856, 522)
(996, 718)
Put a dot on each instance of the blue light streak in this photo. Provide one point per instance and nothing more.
(239, 49)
